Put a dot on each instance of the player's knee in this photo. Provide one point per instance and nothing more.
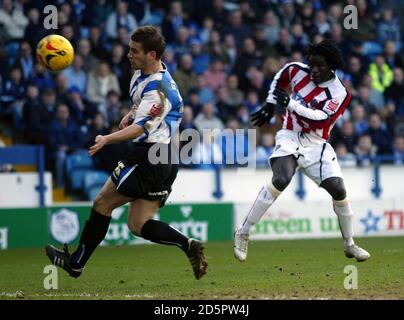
(280, 182)
(335, 187)
(338, 193)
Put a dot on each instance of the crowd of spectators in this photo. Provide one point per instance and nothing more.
(223, 56)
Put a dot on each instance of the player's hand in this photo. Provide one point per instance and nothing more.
(100, 141)
(281, 97)
(125, 121)
(263, 115)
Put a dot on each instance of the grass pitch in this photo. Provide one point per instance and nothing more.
(293, 269)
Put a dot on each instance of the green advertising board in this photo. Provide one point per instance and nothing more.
(35, 227)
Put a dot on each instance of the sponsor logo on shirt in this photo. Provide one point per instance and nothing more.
(333, 105)
(155, 110)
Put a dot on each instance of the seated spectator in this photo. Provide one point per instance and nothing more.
(398, 150)
(345, 158)
(193, 101)
(97, 42)
(359, 119)
(236, 27)
(382, 75)
(173, 21)
(252, 102)
(187, 121)
(26, 61)
(215, 75)
(235, 96)
(13, 92)
(120, 18)
(207, 119)
(243, 116)
(379, 135)
(39, 119)
(265, 149)
(224, 110)
(388, 28)
(200, 59)
(62, 87)
(376, 97)
(356, 71)
(112, 107)
(346, 135)
(41, 78)
(13, 20)
(34, 31)
(395, 92)
(100, 82)
(97, 127)
(271, 27)
(206, 94)
(120, 66)
(75, 75)
(29, 108)
(81, 110)
(84, 50)
(391, 55)
(365, 151)
(64, 138)
(185, 77)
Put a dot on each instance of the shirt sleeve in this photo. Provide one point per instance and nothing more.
(151, 111)
(329, 107)
(281, 80)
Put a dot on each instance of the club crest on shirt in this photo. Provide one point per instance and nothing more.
(155, 110)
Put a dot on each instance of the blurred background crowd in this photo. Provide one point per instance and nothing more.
(223, 56)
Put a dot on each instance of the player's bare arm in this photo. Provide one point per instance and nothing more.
(131, 132)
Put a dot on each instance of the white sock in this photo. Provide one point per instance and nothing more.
(265, 198)
(345, 217)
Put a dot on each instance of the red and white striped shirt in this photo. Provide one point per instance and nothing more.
(313, 109)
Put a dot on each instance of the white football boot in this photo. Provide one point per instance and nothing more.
(240, 245)
(357, 252)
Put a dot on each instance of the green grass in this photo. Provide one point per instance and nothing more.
(294, 269)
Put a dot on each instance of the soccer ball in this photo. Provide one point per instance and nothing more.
(55, 52)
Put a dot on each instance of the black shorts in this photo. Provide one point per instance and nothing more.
(137, 178)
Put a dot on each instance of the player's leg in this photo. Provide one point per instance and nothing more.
(93, 233)
(336, 188)
(140, 222)
(283, 169)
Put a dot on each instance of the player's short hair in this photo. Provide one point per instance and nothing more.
(330, 51)
(151, 40)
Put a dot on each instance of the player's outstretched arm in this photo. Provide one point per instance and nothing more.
(128, 133)
(125, 121)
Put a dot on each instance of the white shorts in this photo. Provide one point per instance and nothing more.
(318, 161)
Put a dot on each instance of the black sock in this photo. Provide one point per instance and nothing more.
(94, 232)
(160, 232)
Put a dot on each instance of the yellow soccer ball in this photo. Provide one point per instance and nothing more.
(55, 52)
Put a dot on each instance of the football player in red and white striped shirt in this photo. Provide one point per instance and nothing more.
(316, 101)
